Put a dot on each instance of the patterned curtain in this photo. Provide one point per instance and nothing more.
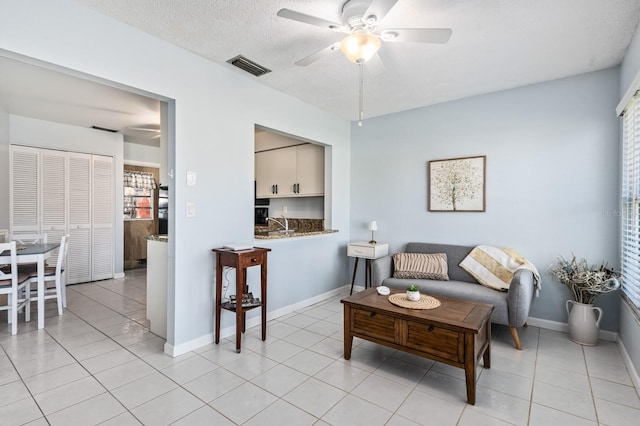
(139, 180)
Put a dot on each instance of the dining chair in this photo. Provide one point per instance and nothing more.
(29, 238)
(4, 235)
(55, 275)
(15, 285)
(25, 239)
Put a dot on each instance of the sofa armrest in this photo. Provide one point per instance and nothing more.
(381, 269)
(519, 297)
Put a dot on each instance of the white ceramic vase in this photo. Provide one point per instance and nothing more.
(584, 327)
(413, 296)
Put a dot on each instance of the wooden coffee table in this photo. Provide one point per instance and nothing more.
(457, 332)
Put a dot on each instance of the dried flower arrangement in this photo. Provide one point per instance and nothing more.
(584, 282)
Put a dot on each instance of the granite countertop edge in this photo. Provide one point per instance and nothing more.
(161, 238)
(294, 235)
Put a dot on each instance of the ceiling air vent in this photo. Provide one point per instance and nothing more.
(248, 66)
(104, 129)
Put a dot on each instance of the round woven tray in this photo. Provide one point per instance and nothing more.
(425, 302)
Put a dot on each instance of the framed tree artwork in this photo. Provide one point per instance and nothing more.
(457, 184)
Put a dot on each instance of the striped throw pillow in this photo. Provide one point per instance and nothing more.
(432, 266)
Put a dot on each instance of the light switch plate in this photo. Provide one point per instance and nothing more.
(191, 209)
(191, 178)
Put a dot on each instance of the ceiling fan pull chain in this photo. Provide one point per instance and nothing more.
(361, 90)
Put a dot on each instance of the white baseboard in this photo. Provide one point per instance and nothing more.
(610, 336)
(635, 378)
(119, 275)
(183, 348)
(207, 339)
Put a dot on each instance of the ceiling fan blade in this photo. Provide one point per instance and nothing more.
(379, 8)
(144, 129)
(319, 54)
(375, 66)
(311, 20)
(416, 35)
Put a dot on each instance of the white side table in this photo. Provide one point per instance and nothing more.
(369, 252)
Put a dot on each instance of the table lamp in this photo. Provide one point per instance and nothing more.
(373, 226)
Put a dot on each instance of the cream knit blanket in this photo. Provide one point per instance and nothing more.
(494, 267)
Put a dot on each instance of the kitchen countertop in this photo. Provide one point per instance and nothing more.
(294, 234)
(161, 238)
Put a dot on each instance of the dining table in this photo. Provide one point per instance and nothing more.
(35, 253)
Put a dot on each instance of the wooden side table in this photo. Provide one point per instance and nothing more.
(369, 252)
(241, 260)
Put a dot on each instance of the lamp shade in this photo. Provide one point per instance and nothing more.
(373, 225)
(360, 47)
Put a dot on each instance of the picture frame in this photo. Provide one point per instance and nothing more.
(457, 184)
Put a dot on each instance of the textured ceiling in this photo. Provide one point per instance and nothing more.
(496, 45)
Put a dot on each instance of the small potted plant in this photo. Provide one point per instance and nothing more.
(412, 293)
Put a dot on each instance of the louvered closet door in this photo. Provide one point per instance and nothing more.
(102, 218)
(25, 193)
(54, 217)
(79, 216)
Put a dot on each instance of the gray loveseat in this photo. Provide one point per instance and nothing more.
(510, 308)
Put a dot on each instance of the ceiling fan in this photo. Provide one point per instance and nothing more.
(360, 20)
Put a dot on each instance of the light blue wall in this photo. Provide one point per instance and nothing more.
(135, 152)
(216, 110)
(631, 64)
(551, 184)
(629, 323)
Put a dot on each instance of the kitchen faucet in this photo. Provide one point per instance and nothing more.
(286, 222)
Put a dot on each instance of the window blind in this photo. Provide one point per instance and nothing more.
(630, 227)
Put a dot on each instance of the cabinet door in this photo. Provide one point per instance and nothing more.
(101, 217)
(25, 190)
(265, 173)
(310, 170)
(54, 197)
(79, 212)
(275, 172)
(285, 171)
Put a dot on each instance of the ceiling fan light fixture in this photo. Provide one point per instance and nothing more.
(360, 47)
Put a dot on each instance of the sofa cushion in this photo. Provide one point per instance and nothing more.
(420, 266)
(455, 254)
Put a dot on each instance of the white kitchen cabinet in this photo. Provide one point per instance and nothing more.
(295, 171)
(275, 172)
(310, 170)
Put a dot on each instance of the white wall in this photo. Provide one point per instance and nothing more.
(139, 153)
(4, 169)
(216, 110)
(301, 207)
(551, 184)
(45, 134)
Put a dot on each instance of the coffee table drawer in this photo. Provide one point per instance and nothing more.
(374, 325)
(436, 341)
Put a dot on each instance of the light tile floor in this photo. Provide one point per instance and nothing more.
(99, 364)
